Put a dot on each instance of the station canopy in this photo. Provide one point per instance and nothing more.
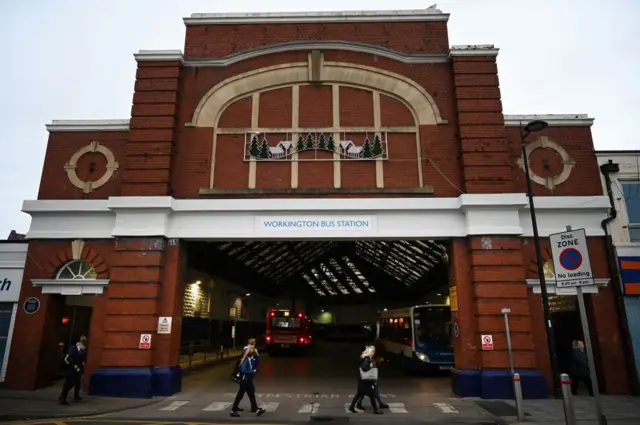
(330, 272)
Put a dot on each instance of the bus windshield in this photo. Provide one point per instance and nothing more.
(432, 327)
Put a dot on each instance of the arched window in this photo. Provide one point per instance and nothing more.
(77, 269)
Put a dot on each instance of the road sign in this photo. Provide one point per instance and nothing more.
(487, 342)
(571, 259)
(145, 342)
(164, 325)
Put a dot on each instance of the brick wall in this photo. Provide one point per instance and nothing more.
(577, 141)
(54, 183)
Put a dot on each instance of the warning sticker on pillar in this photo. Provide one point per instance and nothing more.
(571, 263)
(487, 342)
(145, 342)
(164, 325)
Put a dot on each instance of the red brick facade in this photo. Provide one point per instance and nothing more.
(470, 151)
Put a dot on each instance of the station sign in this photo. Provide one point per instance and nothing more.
(145, 342)
(571, 262)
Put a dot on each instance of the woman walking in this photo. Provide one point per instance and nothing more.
(368, 380)
(247, 368)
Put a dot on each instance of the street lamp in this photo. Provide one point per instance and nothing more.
(532, 127)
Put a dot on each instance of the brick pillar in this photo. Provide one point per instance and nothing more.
(496, 280)
(147, 165)
(135, 298)
(170, 305)
(484, 148)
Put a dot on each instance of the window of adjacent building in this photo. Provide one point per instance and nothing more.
(631, 191)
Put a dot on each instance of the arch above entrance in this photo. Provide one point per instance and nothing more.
(415, 97)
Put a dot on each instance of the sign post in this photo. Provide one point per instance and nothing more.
(572, 268)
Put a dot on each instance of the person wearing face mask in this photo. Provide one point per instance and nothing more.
(74, 362)
(247, 367)
(368, 380)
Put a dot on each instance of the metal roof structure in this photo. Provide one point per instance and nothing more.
(326, 271)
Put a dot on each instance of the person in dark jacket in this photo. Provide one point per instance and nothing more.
(248, 366)
(580, 368)
(368, 380)
(74, 364)
(381, 404)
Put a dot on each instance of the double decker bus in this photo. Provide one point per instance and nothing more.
(288, 330)
(420, 337)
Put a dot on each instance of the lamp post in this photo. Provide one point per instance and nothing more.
(532, 127)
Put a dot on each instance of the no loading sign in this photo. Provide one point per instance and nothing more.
(145, 342)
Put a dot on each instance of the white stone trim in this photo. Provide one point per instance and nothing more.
(554, 290)
(474, 50)
(316, 17)
(392, 218)
(7, 351)
(71, 286)
(309, 46)
(159, 56)
(557, 120)
(88, 125)
(13, 255)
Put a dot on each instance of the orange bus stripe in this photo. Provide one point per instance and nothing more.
(632, 288)
(630, 265)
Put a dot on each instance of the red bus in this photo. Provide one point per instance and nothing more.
(288, 330)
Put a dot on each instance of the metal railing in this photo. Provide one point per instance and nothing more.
(193, 356)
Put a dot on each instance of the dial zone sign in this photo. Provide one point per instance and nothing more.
(571, 262)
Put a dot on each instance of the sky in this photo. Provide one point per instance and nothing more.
(71, 59)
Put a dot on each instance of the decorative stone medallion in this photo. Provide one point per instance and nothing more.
(568, 163)
(91, 185)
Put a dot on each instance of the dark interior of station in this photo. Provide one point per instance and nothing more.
(393, 273)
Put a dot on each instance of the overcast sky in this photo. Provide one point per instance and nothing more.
(72, 59)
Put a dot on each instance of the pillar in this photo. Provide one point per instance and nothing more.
(490, 278)
(147, 165)
(145, 284)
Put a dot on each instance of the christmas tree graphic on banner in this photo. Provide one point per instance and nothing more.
(254, 150)
(366, 149)
(376, 151)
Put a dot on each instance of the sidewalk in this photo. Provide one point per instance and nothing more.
(618, 410)
(18, 405)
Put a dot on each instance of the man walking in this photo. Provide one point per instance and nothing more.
(74, 362)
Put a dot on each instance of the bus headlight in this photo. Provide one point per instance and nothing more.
(423, 357)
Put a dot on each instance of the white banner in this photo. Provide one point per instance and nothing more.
(10, 284)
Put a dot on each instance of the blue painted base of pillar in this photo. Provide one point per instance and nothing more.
(497, 384)
(142, 382)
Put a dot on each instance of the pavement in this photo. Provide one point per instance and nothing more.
(302, 390)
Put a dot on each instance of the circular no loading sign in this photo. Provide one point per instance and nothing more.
(486, 339)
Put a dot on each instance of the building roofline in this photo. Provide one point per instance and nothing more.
(419, 15)
(474, 50)
(621, 152)
(88, 125)
(554, 120)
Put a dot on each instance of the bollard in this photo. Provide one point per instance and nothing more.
(517, 390)
(569, 414)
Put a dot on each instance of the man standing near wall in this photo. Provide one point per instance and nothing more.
(75, 362)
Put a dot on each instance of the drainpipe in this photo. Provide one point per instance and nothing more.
(607, 169)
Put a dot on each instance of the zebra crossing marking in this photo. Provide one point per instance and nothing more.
(445, 408)
(310, 408)
(217, 406)
(270, 407)
(397, 408)
(175, 405)
(306, 408)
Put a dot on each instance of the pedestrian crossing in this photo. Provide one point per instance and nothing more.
(312, 408)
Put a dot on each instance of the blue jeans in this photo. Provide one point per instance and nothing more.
(376, 392)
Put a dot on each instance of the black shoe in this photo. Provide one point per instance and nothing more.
(378, 412)
(234, 414)
(359, 406)
(63, 402)
(237, 409)
(352, 409)
(384, 406)
(260, 411)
